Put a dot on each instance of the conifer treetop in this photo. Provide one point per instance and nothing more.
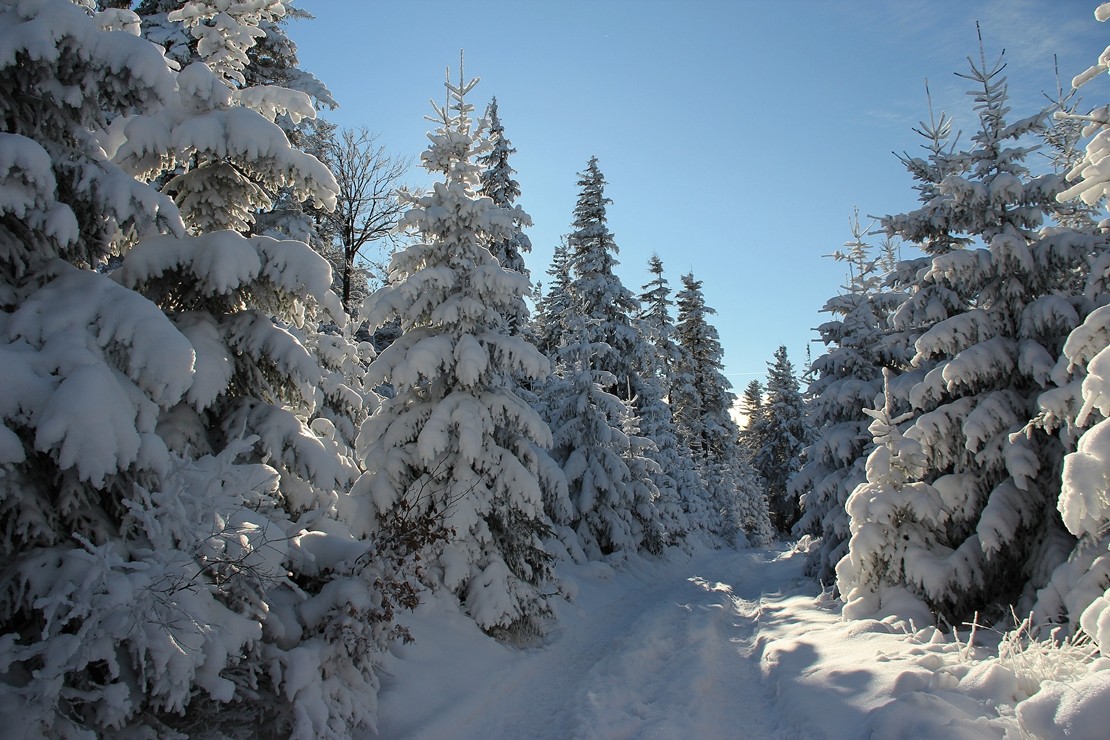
(458, 139)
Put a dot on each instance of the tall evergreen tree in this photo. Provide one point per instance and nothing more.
(783, 432)
(609, 510)
(992, 321)
(233, 153)
(175, 533)
(456, 442)
(499, 185)
(702, 404)
(848, 380)
(553, 308)
(751, 407)
(603, 307)
(1078, 406)
(683, 501)
(655, 315)
(592, 407)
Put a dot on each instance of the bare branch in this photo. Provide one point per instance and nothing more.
(367, 208)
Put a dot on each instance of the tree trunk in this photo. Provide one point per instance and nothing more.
(347, 269)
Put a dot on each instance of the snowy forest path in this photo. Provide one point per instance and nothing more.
(652, 650)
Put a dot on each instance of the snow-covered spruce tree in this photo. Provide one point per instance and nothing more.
(679, 493)
(250, 37)
(324, 594)
(1063, 137)
(272, 61)
(87, 367)
(751, 407)
(220, 140)
(246, 303)
(603, 308)
(655, 315)
(457, 443)
(146, 585)
(701, 400)
(499, 186)
(553, 307)
(230, 138)
(1077, 592)
(591, 401)
(783, 432)
(609, 510)
(682, 496)
(993, 321)
(656, 438)
(847, 382)
(894, 517)
(931, 229)
(180, 47)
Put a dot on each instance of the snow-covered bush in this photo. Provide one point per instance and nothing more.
(890, 564)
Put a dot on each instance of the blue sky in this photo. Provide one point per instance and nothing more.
(736, 136)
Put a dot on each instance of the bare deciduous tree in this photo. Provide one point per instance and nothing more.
(367, 207)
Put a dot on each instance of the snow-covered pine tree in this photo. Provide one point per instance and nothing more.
(553, 307)
(751, 407)
(1077, 593)
(701, 400)
(548, 324)
(1062, 138)
(609, 511)
(272, 62)
(247, 304)
(456, 442)
(783, 432)
(499, 186)
(87, 367)
(655, 315)
(592, 400)
(250, 56)
(180, 47)
(270, 386)
(602, 306)
(930, 229)
(683, 500)
(151, 587)
(243, 39)
(993, 321)
(221, 141)
(647, 381)
(847, 382)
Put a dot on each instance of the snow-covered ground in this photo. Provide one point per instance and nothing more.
(722, 644)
